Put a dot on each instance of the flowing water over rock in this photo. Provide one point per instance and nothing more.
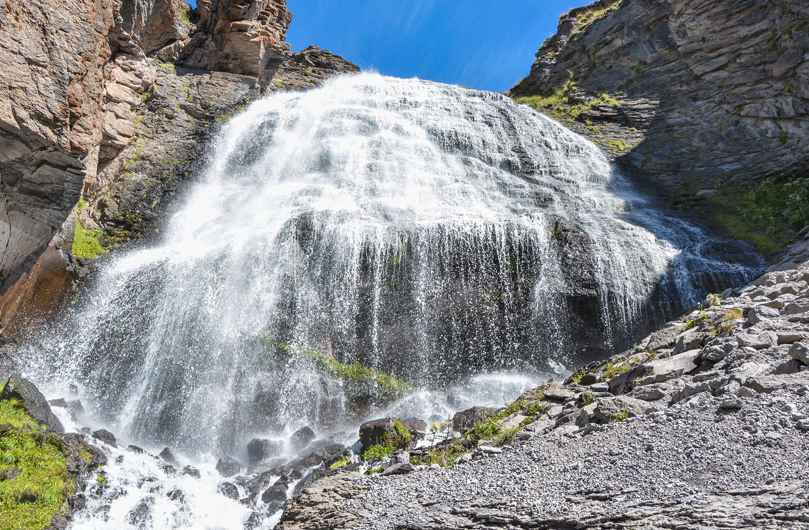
(424, 230)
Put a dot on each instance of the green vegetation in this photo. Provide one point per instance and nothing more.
(444, 456)
(714, 299)
(29, 500)
(767, 213)
(611, 370)
(587, 18)
(588, 398)
(340, 463)
(390, 385)
(728, 322)
(86, 243)
(506, 436)
(184, 16)
(378, 451)
(576, 378)
(620, 416)
(560, 103)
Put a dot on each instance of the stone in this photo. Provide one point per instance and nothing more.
(228, 466)
(690, 340)
(766, 384)
(761, 313)
(610, 409)
(623, 382)
(191, 471)
(731, 403)
(302, 437)
(803, 425)
(229, 490)
(466, 419)
(800, 352)
(167, 456)
(791, 336)
(670, 368)
(417, 428)
(760, 341)
(399, 469)
(141, 515)
(556, 392)
(276, 494)
(377, 431)
(32, 401)
(105, 436)
(648, 393)
(259, 449)
(690, 390)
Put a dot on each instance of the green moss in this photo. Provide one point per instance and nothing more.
(378, 451)
(390, 385)
(30, 500)
(184, 16)
(560, 105)
(86, 243)
(402, 434)
(340, 463)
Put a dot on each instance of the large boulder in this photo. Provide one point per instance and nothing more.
(466, 419)
(302, 437)
(259, 449)
(228, 466)
(384, 431)
(32, 400)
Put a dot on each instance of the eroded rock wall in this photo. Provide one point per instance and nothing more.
(710, 90)
(111, 103)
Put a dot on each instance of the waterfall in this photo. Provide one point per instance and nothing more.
(427, 231)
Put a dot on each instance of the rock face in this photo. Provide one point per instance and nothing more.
(113, 105)
(694, 90)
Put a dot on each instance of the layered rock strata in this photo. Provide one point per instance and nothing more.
(683, 91)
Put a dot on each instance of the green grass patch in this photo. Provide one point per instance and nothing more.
(611, 370)
(343, 462)
(506, 436)
(31, 499)
(767, 213)
(87, 243)
(378, 451)
(444, 456)
(587, 18)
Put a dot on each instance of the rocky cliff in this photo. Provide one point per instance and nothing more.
(104, 109)
(683, 91)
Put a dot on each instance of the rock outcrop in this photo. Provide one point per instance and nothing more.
(683, 91)
(112, 106)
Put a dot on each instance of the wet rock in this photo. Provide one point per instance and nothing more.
(229, 490)
(228, 466)
(259, 449)
(76, 407)
(141, 515)
(33, 401)
(191, 472)
(276, 495)
(466, 419)
(167, 456)
(378, 431)
(302, 437)
(137, 450)
(61, 403)
(176, 495)
(105, 436)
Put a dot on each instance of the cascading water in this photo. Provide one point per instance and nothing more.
(425, 230)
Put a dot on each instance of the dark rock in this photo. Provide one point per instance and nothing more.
(228, 466)
(141, 515)
(105, 436)
(276, 495)
(61, 403)
(33, 401)
(259, 449)
(76, 407)
(302, 437)
(177, 496)
(376, 431)
(168, 456)
(399, 469)
(139, 451)
(622, 383)
(191, 471)
(466, 419)
(417, 428)
(229, 490)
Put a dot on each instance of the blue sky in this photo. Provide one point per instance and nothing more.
(486, 44)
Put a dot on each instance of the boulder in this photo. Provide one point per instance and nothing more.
(105, 436)
(608, 409)
(760, 313)
(259, 449)
(466, 419)
(276, 495)
(32, 401)
(417, 428)
(623, 382)
(765, 384)
(665, 369)
(229, 490)
(690, 390)
(168, 456)
(228, 466)
(384, 431)
(690, 340)
(800, 352)
(399, 469)
(763, 340)
(302, 437)
(556, 392)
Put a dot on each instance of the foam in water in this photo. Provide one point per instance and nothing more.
(426, 230)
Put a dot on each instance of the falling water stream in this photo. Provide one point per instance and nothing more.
(467, 245)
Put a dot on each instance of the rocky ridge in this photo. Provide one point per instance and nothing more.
(104, 114)
(704, 423)
(678, 91)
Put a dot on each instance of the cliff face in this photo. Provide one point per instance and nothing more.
(110, 103)
(683, 91)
